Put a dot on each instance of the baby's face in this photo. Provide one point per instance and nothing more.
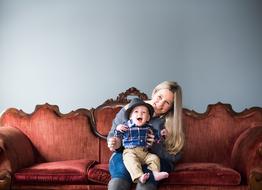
(140, 115)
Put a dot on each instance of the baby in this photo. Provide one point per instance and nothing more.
(134, 135)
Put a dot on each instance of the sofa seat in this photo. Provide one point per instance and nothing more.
(99, 174)
(61, 172)
(203, 174)
(185, 173)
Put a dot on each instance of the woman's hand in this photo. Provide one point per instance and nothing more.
(150, 138)
(114, 143)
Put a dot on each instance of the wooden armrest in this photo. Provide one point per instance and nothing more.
(246, 156)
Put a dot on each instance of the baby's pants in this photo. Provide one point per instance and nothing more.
(134, 158)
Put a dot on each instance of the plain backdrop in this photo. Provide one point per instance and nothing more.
(79, 53)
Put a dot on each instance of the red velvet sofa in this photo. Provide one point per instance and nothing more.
(50, 150)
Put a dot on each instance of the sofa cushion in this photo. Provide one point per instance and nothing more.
(69, 172)
(189, 173)
(203, 174)
(99, 174)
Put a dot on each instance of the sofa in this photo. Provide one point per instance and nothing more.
(50, 150)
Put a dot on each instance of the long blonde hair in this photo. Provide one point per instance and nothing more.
(175, 139)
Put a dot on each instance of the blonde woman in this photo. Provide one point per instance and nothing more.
(167, 103)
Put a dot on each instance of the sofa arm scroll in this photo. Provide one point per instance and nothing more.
(16, 151)
(246, 156)
(5, 180)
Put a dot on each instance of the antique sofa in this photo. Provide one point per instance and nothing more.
(47, 149)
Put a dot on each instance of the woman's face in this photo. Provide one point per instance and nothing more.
(162, 101)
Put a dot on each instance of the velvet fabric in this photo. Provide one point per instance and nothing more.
(104, 114)
(99, 174)
(210, 136)
(203, 174)
(189, 173)
(102, 119)
(50, 150)
(247, 148)
(67, 172)
(56, 136)
(21, 152)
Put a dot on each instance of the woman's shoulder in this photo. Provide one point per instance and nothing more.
(120, 116)
(122, 110)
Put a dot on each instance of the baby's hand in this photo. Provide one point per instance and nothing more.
(122, 128)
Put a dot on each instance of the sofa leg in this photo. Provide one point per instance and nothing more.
(255, 180)
(5, 180)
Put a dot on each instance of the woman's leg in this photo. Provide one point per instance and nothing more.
(120, 178)
(152, 184)
(146, 186)
(166, 166)
(118, 184)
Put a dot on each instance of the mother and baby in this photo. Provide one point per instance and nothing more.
(146, 138)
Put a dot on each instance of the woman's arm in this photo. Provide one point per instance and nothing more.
(113, 142)
(119, 119)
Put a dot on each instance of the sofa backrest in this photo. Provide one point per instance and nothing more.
(55, 136)
(103, 118)
(210, 136)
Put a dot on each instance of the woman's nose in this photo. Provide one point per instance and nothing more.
(161, 103)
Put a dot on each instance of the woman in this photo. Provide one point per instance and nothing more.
(167, 103)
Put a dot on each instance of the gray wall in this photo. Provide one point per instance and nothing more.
(78, 53)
